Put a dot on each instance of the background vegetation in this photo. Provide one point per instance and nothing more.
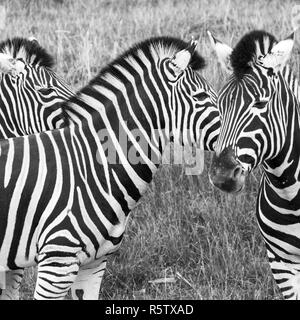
(183, 228)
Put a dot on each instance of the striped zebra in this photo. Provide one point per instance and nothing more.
(66, 194)
(30, 91)
(260, 125)
(30, 97)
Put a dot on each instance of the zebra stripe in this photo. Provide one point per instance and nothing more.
(30, 91)
(30, 97)
(260, 124)
(81, 205)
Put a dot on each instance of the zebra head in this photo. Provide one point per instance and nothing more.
(31, 92)
(253, 107)
(193, 112)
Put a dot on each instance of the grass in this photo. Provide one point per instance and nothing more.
(183, 225)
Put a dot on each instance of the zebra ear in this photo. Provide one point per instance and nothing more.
(279, 55)
(181, 59)
(33, 39)
(223, 52)
(9, 65)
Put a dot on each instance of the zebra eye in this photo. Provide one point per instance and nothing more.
(201, 95)
(44, 90)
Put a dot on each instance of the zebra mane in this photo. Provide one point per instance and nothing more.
(160, 46)
(249, 48)
(30, 51)
(153, 47)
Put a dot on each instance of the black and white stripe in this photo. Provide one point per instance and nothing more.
(30, 97)
(30, 91)
(260, 125)
(64, 201)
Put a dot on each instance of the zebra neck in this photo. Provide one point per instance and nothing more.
(292, 81)
(282, 173)
(121, 167)
(121, 102)
(126, 146)
(119, 126)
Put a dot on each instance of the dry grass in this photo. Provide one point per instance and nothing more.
(182, 224)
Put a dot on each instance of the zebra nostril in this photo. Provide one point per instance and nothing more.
(237, 172)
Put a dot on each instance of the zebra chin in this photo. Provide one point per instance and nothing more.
(228, 185)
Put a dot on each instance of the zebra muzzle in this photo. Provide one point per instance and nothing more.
(226, 173)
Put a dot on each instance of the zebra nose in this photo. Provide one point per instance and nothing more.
(226, 173)
(237, 172)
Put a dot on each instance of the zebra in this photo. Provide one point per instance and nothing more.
(30, 91)
(65, 201)
(30, 97)
(260, 125)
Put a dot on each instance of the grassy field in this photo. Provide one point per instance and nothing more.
(183, 227)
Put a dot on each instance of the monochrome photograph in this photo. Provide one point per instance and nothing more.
(149, 151)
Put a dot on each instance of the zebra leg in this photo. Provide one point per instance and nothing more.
(13, 280)
(287, 277)
(56, 273)
(88, 282)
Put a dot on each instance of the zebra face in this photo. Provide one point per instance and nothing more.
(244, 133)
(194, 113)
(46, 82)
(47, 92)
(252, 111)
